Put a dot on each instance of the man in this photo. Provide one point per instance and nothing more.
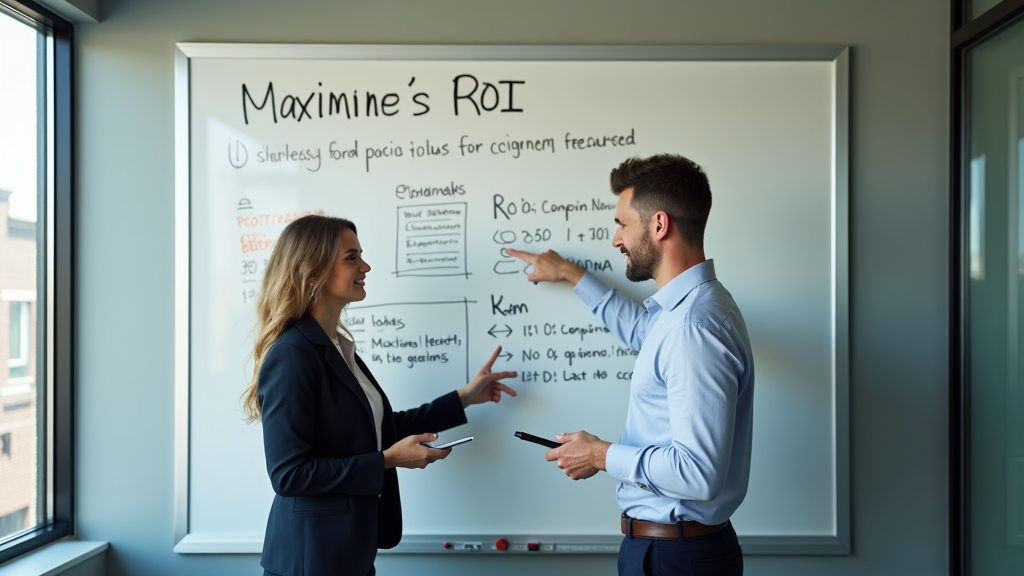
(684, 458)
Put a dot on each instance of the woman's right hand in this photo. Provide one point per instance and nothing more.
(409, 452)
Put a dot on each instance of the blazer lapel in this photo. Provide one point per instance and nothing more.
(333, 358)
(387, 430)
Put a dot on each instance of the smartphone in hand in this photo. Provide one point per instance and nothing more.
(447, 444)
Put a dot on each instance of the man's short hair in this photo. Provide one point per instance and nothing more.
(669, 183)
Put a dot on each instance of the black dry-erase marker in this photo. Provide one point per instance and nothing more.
(537, 440)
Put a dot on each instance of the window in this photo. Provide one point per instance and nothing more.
(18, 341)
(35, 278)
(13, 522)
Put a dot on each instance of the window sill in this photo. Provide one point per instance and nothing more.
(15, 389)
(53, 559)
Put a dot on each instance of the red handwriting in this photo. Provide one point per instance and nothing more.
(256, 242)
(257, 220)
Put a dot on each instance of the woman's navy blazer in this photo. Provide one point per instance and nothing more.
(335, 504)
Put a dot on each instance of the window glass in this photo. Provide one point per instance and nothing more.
(22, 184)
(17, 361)
(995, 340)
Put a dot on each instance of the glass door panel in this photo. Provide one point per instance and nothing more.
(995, 237)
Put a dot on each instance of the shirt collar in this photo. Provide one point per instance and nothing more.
(675, 291)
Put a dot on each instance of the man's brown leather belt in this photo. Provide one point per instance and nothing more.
(656, 531)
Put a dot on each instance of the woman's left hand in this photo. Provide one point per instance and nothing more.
(485, 386)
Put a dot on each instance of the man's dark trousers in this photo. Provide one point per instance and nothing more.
(717, 554)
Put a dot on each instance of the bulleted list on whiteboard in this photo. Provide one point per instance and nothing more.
(431, 240)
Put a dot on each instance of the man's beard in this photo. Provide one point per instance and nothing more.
(643, 259)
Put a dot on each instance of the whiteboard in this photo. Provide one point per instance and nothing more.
(443, 157)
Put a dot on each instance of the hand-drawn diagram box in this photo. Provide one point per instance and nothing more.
(397, 339)
(431, 240)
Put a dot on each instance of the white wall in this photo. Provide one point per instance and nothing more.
(898, 270)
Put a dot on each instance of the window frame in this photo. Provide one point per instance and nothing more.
(54, 308)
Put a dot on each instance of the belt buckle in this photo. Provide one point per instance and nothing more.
(629, 525)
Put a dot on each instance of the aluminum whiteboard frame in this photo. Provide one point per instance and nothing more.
(837, 543)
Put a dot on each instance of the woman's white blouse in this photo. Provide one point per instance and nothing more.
(347, 349)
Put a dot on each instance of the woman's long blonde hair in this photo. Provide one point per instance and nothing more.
(299, 266)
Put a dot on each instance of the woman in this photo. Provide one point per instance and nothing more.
(331, 439)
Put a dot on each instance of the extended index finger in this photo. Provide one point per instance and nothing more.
(490, 361)
(528, 257)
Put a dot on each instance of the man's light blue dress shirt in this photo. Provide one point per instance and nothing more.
(685, 451)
